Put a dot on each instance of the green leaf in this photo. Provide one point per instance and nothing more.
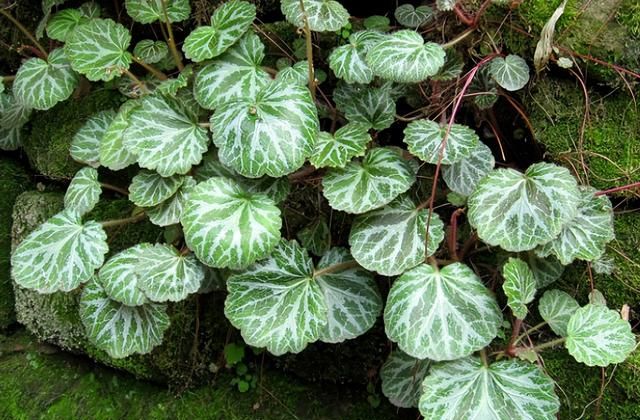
(380, 177)
(10, 138)
(118, 329)
(271, 133)
(348, 61)
(404, 57)
(167, 275)
(441, 314)
(149, 11)
(63, 23)
(425, 137)
(452, 68)
(519, 286)
(236, 74)
(556, 307)
(98, 49)
(84, 191)
(85, 145)
(228, 23)
(151, 51)
(584, 237)
(297, 74)
(40, 84)
(351, 296)
(545, 270)
(150, 189)
(47, 5)
(227, 226)
(165, 134)
(463, 176)
(511, 72)
(371, 106)
(401, 377)
(391, 240)
(337, 150)
(377, 22)
(316, 236)
(120, 276)
(233, 353)
(413, 17)
(90, 9)
(172, 87)
(505, 390)
(597, 336)
(445, 5)
(60, 254)
(13, 116)
(170, 211)
(113, 154)
(519, 211)
(322, 15)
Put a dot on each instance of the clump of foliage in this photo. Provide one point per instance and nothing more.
(219, 144)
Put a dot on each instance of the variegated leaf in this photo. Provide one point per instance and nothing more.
(63, 23)
(519, 211)
(271, 133)
(60, 254)
(13, 116)
(391, 240)
(149, 11)
(118, 329)
(545, 270)
(169, 211)
(316, 237)
(227, 226)
(365, 185)
(441, 314)
(236, 74)
(165, 134)
(151, 51)
(120, 276)
(401, 377)
(557, 307)
(90, 9)
(47, 5)
(228, 23)
(413, 17)
(337, 150)
(511, 72)
(519, 286)
(41, 84)
(374, 107)
(505, 390)
(84, 191)
(348, 62)
(148, 188)
(404, 57)
(463, 176)
(113, 154)
(445, 5)
(85, 145)
(425, 139)
(321, 15)
(297, 74)
(98, 49)
(172, 87)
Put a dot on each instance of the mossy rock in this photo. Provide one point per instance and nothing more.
(51, 132)
(611, 143)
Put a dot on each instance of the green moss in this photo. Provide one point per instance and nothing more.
(537, 12)
(47, 143)
(629, 16)
(611, 143)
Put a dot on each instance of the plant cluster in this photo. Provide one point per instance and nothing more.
(219, 144)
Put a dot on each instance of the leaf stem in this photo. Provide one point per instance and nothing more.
(114, 188)
(135, 79)
(336, 268)
(170, 39)
(529, 331)
(26, 32)
(148, 67)
(459, 38)
(618, 189)
(484, 358)
(125, 221)
(8, 79)
(549, 344)
(452, 240)
(307, 35)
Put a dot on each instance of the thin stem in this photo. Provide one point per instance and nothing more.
(549, 344)
(469, 243)
(205, 124)
(618, 189)
(484, 358)
(126, 221)
(135, 79)
(170, 39)
(510, 350)
(529, 331)
(462, 15)
(307, 35)
(336, 268)
(114, 188)
(459, 38)
(452, 240)
(148, 67)
(26, 32)
(8, 78)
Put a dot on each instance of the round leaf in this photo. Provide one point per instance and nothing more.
(113, 154)
(401, 377)
(545, 270)
(63, 23)
(425, 138)
(413, 17)
(150, 189)
(151, 51)
(322, 15)
(83, 192)
(149, 11)
(85, 145)
(170, 211)
(337, 150)
(348, 62)
(519, 286)
(373, 107)
(463, 176)
(556, 307)
(120, 276)
(511, 72)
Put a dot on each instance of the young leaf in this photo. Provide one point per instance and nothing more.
(297, 74)
(113, 154)
(413, 17)
(98, 49)
(63, 23)
(171, 87)
(545, 270)
(337, 150)
(322, 15)
(149, 11)
(425, 137)
(236, 74)
(441, 314)
(150, 189)
(401, 377)
(519, 286)
(271, 133)
(227, 226)
(167, 275)
(597, 336)
(60, 254)
(556, 307)
(151, 51)
(373, 107)
(391, 240)
(380, 177)
(228, 23)
(118, 329)
(519, 211)
(84, 191)
(511, 72)
(348, 61)
(85, 145)
(505, 390)
(120, 276)
(40, 84)
(316, 237)
(404, 57)
(463, 176)
(585, 237)
(165, 134)
(170, 211)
